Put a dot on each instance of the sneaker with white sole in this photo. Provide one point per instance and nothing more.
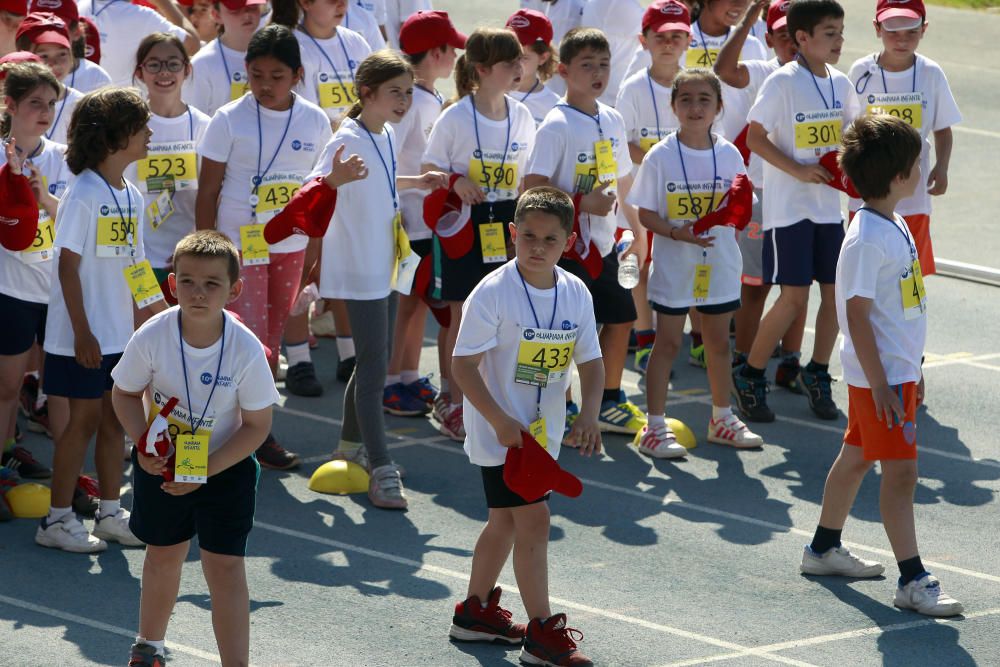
(729, 430)
(68, 534)
(114, 528)
(453, 424)
(659, 443)
(839, 561)
(385, 489)
(924, 596)
(360, 457)
(621, 416)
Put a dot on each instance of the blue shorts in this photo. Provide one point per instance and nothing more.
(64, 376)
(24, 324)
(802, 253)
(220, 512)
(712, 309)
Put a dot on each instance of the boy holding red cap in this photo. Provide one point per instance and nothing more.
(47, 36)
(84, 75)
(539, 61)
(12, 12)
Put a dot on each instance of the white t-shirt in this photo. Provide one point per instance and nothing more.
(122, 26)
(540, 101)
(329, 68)
(789, 97)
(492, 319)
(660, 187)
(758, 71)
(87, 76)
(453, 147)
(412, 133)
(397, 11)
(873, 260)
(759, 31)
(153, 359)
(232, 137)
(621, 22)
(374, 7)
(564, 147)
(363, 22)
(563, 14)
(358, 248)
(27, 275)
(938, 110)
(107, 299)
(704, 49)
(172, 139)
(645, 107)
(59, 129)
(217, 73)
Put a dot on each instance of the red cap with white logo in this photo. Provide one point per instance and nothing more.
(665, 15)
(237, 5)
(92, 48)
(530, 26)
(776, 15)
(905, 9)
(44, 28)
(64, 9)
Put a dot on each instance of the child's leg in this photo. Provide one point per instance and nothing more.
(227, 584)
(450, 340)
(791, 342)
(614, 347)
(752, 300)
(492, 550)
(715, 334)
(643, 313)
(408, 334)
(899, 480)
(108, 451)
(284, 274)
(531, 568)
(842, 484)
(826, 325)
(161, 580)
(12, 369)
(71, 449)
(251, 308)
(669, 335)
(342, 325)
(791, 302)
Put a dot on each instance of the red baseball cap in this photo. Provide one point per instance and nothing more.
(664, 15)
(44, 28)
(18, 212)
(237, 5)
(909, 9)
(16, 7)
(531, 472)
(776, 15)
(64, 9)
(428, 30)
(19, 57)
(92, 49)
(530, 26)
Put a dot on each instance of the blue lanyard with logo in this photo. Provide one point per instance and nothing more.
(833, 90)
(534, 315)
(429, 91)
(225, 65)
(101, 10)
(491, 191)
(215, 380)
(695, 204)
(128, 224)
(652, 96)
(259, 178)
(906, 236)
(392, 156)
(596, 118)
(333, 67)
(861, 85)
(190, 123)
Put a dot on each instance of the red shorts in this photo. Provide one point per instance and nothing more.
(876, 441)
(920, 230)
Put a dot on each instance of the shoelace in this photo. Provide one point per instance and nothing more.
(569, 637)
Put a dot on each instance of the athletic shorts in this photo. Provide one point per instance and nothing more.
(422, 247)
(613, 303)
(161, 278)
(751, 242)
(64, 376)
(454, 279)
(220, 512)
(498, 494)
(802, 253)
(877, 442)
(24, 325)
(713, 309)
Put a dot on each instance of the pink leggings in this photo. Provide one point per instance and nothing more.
(269, 290)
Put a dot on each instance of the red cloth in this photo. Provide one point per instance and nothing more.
(840, 181)
(18, 211)
(422, 288)
(308, 213)
(156, 439)
(443, 211)
(587, 256)
(531, 472)
(741, 144)
(735, 212)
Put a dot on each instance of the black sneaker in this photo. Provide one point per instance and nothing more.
(816, 386)
(301, 380)
(751, 397)
(787, 375)
(345, 369)
(20, 460)
(144, 655)
(274, 456)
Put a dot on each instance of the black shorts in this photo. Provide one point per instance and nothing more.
(498, 494)
(613, 303)
(804, 252)
(713, 309)
(454, 279)
(422, 247)
(24, 324)
(220, 513)
(64, 376)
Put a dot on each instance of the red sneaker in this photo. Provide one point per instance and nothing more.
(552, 643)
(474, 623)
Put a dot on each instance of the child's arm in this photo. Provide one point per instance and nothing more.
(465, 372)
(596, 202)
(172, 13)
(256, 425)
(636, 153)
(758, 142)
(887, 405)
(728, 66)
(429, 180)
(132, 416)
(652, 221)
(585, 431)
(86, 348)
(206, 206)
(467, 191)
(937, 180)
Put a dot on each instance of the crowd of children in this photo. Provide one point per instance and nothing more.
(604, 171)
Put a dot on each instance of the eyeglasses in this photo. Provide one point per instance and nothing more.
(173, 65)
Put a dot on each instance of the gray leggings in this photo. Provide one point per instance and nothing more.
(372, 325)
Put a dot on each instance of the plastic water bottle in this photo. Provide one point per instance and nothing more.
(628, 267)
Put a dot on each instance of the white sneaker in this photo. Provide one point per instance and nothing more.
(114, 528)
(68, 534)
(732, 432)
(659, 442)
(282, 371)
(924, 596)
(385, 488)
(360, 457)
(839, 561)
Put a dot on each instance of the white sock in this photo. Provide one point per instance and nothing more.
(40, 401)
(108, 507)
(721, 413)
(57, 513)
(298, 354)
(391, 380)
(445, 389)
(345, 347)
(409, 377)
(455, 406)
(656, 420)
(160, 645)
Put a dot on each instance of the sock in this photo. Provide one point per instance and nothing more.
(825, 539)
(751, 372)
(452, 405)
(787, 355)
(391, 380)
(696, 339)
(721, 413)
(9, 445)
(57, 513)
(656, 420)
(160, 645)
(645, 337)
(40, 401)
(409, 377)
(108, 508)
(813, 367)
(345, 347)
(297, 353)
(445, 388)
(910, 569)
(611, 395)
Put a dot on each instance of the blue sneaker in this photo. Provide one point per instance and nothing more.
(751, 396)
(424, 390)
(642, 359)
(572, 412)
(398, 400)
(622, 416)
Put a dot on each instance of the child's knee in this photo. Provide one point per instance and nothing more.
(796, 298)
(900, 475)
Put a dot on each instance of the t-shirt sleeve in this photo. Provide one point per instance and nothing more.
(73, 223)
(645, 189)
(550, 145)
(766, 109)
(140, 219)
(946, 111)
(325, 160)
(256, 389)
(858, 268)
(627, 107)
(587, 346)
(480, 328)
(134, 372)
(437, 151)
(852, 105)
(154, 22)
(217, 144)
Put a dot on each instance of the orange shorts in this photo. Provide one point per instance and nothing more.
(920, 230)
(876, 441)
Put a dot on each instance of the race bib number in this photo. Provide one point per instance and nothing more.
(905, 106)
(543, 356)
(255, 250)
(41, 248)
(274, 193)
(333, 94)
(142, 283)
(492, 241)
(160, 209)
(817, 132)
(238, 86)
(700, 56)
(191, 463)
(169, 166)
(702, 281)
(537, 431)
(911, 286)
(683, 205)
(607, 167)
(115, 235)
(494, 174)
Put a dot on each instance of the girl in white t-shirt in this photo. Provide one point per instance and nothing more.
(219, 75)
(683, 178)
(58, 57)
(539, 61)
(168, 175)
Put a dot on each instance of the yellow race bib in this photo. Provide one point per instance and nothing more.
(498, 176)
(115, 235)
(537, 431)
(191, 463)
(817, 132)
(649, 137)
(584, 174)
(169, 166)
(238, 86)
(492, 241)
(543, 356)
(142, 283)
(699, 56)
(41, 248)
(607, 166)
(906, 106)
(911, 287)
(274, 193)
(702, 281)
(401, 245)
(684, 206)
(333, 94)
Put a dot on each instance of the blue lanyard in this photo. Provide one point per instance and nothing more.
(225, 65)
(596, 119)
(695, 205)
(491, 193)
(215, 382)
(128, 223)
(905, 233)
(259, 178)
(552, 320)
(190, 123)
(347, 58)
(652, 95)
(62, 107)
(101, 10)
(833, 90)
(885, 87)
(533, 87)
(435, 93)
(392, 156)
(704, 42)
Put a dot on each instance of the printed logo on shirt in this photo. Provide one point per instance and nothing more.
(582, 158)
(671, 187)
(296, 145)
(566, 325)
(306, 146)
(206, 378)
(514, 147)
(105, 209)
(529, 334)
(237, 76)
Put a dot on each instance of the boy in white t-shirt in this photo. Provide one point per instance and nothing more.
(882, 309)
(507, 391)
(216, 368)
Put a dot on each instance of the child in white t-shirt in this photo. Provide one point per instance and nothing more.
(362, 20)
(564, 15)
(507, 317)
(83, 75)
(538, 61)
(396, 14)
(47, 36)
(216, 368)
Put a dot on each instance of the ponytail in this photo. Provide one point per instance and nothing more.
(286, 13)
